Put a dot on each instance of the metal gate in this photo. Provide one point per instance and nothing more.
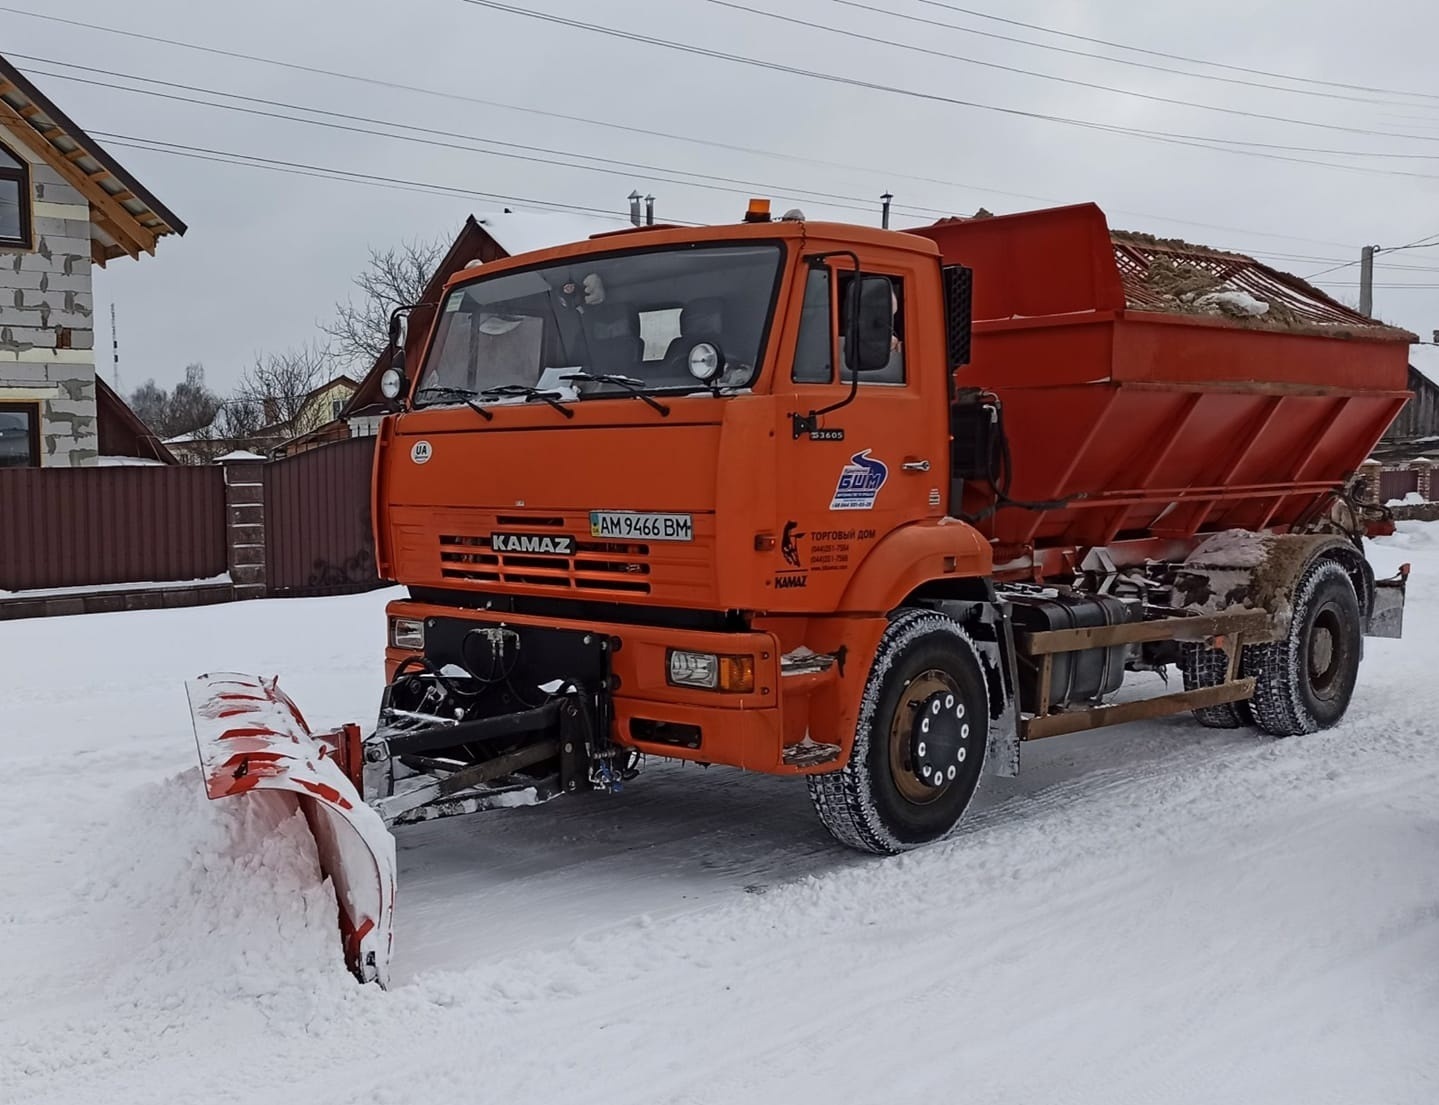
(1395, 483)
(317, 521)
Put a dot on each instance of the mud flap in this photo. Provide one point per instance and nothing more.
(1386, 616)
(251, 736)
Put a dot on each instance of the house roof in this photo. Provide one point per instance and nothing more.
(1424, 359)
(519, 232)
(127, 218)
(122, 434)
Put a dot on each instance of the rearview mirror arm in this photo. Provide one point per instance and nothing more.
(802, 424)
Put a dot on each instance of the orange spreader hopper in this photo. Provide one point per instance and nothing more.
(1155, 389)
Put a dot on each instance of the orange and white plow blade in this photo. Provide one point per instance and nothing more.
(252, 737)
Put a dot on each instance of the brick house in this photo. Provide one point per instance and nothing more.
(65, 206)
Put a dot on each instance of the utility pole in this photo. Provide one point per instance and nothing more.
(1366, 280)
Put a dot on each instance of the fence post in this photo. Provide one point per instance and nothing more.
(1369, 486)
(245, 523)
(1424, 466)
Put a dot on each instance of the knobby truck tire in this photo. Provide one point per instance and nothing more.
(1304, 682)
(1207, 667)
(862, 804)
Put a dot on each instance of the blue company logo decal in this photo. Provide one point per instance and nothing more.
(859, 483)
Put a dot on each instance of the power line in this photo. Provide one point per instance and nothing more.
(529, 154)
(1237, 81)
(875, 39)
(1197, 141)
(1179, 57)
(463, 98)
(323, 172)
(559, 158)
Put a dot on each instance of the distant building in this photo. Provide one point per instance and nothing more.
(65, 205)
(277, 437)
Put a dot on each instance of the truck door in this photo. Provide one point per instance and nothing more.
(849, 476)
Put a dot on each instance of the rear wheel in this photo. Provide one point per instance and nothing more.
(1306, 680)
(1207, 667)
(919, 741)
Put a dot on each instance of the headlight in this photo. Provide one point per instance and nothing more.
(734, 674)
(407, 633)
(392, 381)
(704, 361)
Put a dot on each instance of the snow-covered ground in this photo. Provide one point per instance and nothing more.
(1153, 914)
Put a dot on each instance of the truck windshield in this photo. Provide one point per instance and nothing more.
(632, 315)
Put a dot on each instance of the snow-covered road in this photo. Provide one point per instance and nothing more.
(1154, 914)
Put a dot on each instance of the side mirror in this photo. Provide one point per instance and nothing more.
(870, 330)
(397, 343)
(392, 380)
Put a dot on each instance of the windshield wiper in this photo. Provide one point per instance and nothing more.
(529, 393)
(463, 394)
(631, 385)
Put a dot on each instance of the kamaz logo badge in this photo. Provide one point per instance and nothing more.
(553, 544)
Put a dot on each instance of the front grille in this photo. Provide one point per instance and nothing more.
(595, 566)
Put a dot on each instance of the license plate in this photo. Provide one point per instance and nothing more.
(645, 527)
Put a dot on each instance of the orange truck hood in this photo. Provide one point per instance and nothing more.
(447, 482)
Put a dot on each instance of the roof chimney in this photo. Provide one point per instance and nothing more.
(635, 198)
(649, 211)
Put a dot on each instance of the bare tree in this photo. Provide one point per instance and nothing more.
(278, 384)
(191, 406)
(360, 332)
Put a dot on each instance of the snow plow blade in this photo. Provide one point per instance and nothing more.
(250, 737)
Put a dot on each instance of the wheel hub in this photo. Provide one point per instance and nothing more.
(939, 739)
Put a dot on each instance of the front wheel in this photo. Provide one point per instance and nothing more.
(919, 742)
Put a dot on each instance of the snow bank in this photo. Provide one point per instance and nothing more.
(1158, 913)
(106, 588)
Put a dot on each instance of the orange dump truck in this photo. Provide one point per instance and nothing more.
(868, 507)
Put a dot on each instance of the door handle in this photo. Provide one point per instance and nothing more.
(916, 466)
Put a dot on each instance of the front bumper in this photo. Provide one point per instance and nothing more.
(645, 711)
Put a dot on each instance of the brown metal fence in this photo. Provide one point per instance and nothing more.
(317, 521)
(81, 527)
(1395, 483)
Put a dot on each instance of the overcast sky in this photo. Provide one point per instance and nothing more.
(268, 253)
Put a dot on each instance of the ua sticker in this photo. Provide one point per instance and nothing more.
(859, 483)
(420, 452)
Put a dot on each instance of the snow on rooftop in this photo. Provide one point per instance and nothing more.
(527, 231)
(239, 454)
(1425, 359)
(128, 462)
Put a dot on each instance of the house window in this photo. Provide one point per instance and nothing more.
(19, 435)
(14, 200)
(336, 406)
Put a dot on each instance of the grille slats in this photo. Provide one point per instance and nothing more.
(594, 566)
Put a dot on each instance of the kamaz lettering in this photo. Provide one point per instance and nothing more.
(553, 544)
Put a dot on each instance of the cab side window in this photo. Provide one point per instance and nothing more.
(893, 372)
(812, 348)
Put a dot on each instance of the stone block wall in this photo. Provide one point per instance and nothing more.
(47, 308)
